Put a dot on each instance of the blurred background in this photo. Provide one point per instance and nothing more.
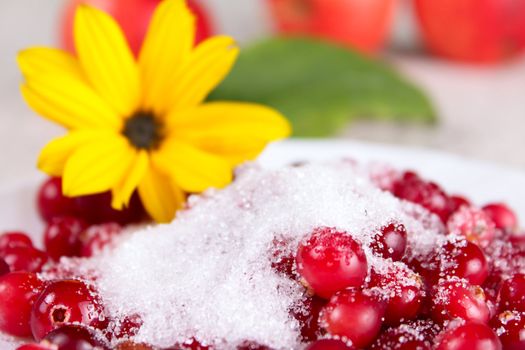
(440, 74)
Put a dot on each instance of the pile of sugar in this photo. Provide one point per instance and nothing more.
(208, 275)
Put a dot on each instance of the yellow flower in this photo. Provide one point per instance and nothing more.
(142, 124)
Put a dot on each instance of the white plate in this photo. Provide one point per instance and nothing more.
(483, 182)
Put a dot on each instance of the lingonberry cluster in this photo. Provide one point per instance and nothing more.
(468, 292)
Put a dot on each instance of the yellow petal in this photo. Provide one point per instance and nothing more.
(123, 191)
(66, 100)
(44, 60)
(55, 154)
(106, 59)
(235, 131)
(158, 195)
(167, 46)
(209, 64)
(192, 169)
(98, 166)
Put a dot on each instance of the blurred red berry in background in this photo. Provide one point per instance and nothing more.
(480, 31)
(133, 16)
(364, 25)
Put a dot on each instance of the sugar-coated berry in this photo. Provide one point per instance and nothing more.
(474, 224)
(98, 237)
(429, 195)
(330, 261)
(74, 337)
(14, 239)
(307, 312)
(457, 202)
(390, 242)
(4, 268)
(510, 327)
(25, 259)
(62, 237)
(456, 298)
(354, 315)
(416, 335)
(329, 344)
(464, 259)
(129, 345)
(469, 336)
(65, 302)
(51, 202)
(18, 292)
(512, 293)
(503, 217)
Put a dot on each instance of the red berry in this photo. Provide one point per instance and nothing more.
(74, 337)
(62, 237)
(512, 293)
(97, 237)
(4, 268)
(391, 242)
(25, 259)
(456, 298)
(354, 315)
(306, 312)
(329, 344)
(127, 327)
(504, 218)
(418, 335)
(96, 209)
(129, 345)
(510, 327)
(65, 302)
(412, 188)
(473, 224)
(14, 239)
(457, 202)
(51, 202)
(330, 261)
(18, 292)
(35, 347)
(466, 260)
(469, 336)
(282, 259)
(404, 293)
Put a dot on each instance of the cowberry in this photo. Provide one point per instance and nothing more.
(98, 237)
(51, 202)
(306, 312)
(25, 259)
(469, 336)
(4, 268)
(69, 337)
(14, 239)
(18, 292)
(96, 209)
(65, 302)
(354, 315)
(474, 224)
(510, 327)
(390, 242)
(330, 261)
(464, 259)
(329, 344)
(502, 216)
(512, 293)
(456, 298)
(62, 237)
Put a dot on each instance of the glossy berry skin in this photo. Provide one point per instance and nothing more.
(502, 216)
(466, 260)
(457, 202)
(329, 344)
(405, 294)
(475, 31)
(402, 338)
(98, 237)
(4, 268)
(14, 239)
(456, 298)
(62, 237)
(18, 292)
(391, 242)
(469, 336)
(330, 261)
(74, 337)
(65, 302)
(134, 17)
(429, 195)
(35, 347)
(355, 315)
(473, 224)
(51, 202)
(25, 259)
(354, 23)
(96, 209)
(510, 326)
(512, 293)
(307, 314)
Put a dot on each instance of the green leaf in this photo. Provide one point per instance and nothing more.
(320, 87)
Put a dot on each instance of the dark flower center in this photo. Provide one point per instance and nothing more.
(143, 130)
